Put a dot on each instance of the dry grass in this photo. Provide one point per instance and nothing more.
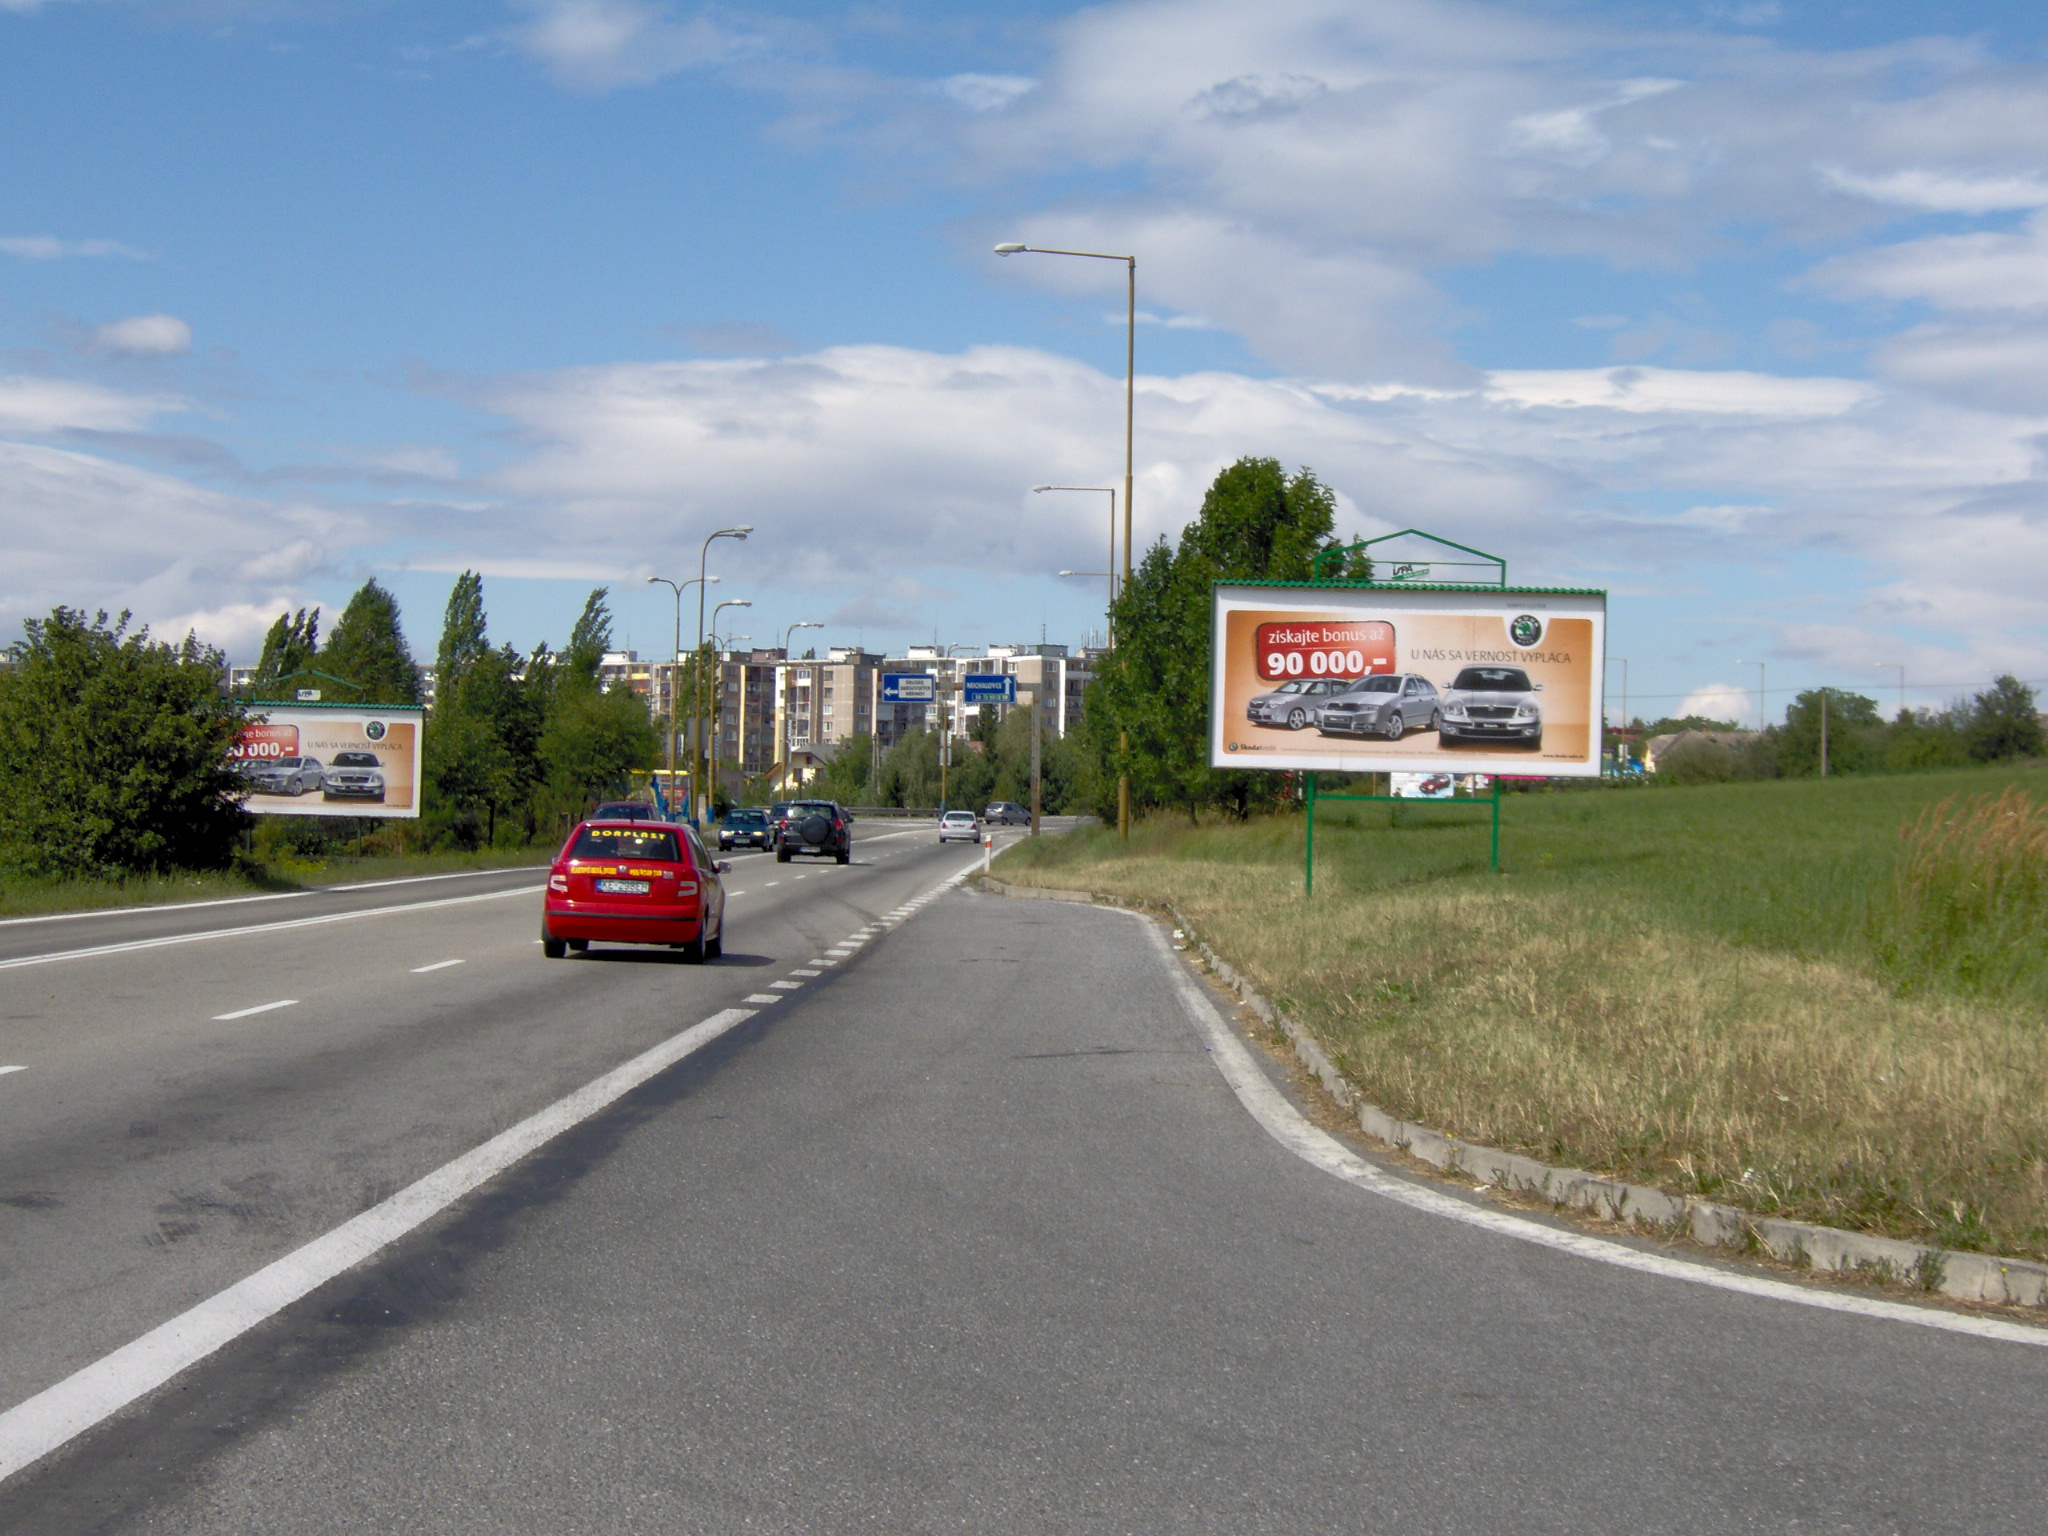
(1969, 904)
(1567, 1019)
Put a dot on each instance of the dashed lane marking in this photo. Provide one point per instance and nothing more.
(438, 965)
(763, 997)
(785, 986)
(249, 1013)
(5, 1070)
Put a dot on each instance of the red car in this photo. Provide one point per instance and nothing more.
(634, 882)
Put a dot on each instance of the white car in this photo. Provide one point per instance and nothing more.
(961, 825)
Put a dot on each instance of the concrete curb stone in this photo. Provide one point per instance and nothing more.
(1965, 1276)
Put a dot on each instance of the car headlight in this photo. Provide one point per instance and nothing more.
(1526, 710)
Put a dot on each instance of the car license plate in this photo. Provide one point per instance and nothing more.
(622, 887)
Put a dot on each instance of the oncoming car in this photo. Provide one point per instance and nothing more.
(959, 825)
(1390, 705)
(634, 882)
(353, 776)
(745, 826)
(1006, 813)
(1295, 703)
(1493, 704)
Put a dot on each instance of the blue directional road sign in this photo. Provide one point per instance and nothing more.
(988, 688)
(909, 688)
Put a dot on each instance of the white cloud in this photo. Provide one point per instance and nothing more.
(2000, 367)
(50, 248)
(1941, 192)
(44, 405)
(1977, 272)
(1678, 391)
(600, 45)
(157, 335)
(1718, 701)
(984, 93)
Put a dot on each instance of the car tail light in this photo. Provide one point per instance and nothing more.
(558, 882)
(686, 887)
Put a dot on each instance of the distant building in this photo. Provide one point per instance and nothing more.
(1657, 748)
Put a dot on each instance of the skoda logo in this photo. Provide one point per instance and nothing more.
(375, 729)
(1525, 630)
(1230, 746)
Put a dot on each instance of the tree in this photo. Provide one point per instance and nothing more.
(290, 646)
(2003, 722)
(463, 637)
(1853, 731)
(367, 649)
(1257, 523)
(590, 639)
(113, 752)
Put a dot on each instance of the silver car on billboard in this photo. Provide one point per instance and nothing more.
(354, 776)
(1296, 703)
(1493, 704)
(1390, 705)
(284, 775)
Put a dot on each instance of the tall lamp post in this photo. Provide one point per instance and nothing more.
(788, 703)
(1762, 692)
(1014, 248)
(737, 531)
(708, 725)
(1036, 489)
(675, 676)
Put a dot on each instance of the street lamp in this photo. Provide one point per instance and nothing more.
(1037, 489)
(710, 723)
(1014, 248)
(737, 531)
(1762, 692)
(1898, 667)
(675, 676)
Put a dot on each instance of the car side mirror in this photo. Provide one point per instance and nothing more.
(1535, 687)
(724, 867)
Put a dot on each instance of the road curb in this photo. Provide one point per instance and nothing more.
(1946, 1271)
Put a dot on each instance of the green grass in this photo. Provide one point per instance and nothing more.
(32, 898)
(1684, 987)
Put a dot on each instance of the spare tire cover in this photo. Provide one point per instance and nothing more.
(815, 829)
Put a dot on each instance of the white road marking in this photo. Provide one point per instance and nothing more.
(836, 954)
(5, 1070)
(460, 874)
(1280, 1120)
(764, 883)
(804, 973)
(785, 986)
(438, 965)
(32, 1429)
(249, 1013)
(94, 950)
(763, 997)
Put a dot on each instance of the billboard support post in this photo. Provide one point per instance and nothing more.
(1308, 882)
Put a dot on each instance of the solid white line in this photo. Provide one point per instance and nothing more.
(460, 874)
(5, 1070)
(248, 1013)
(230, 933)
(32, 1429)
(161, 906)
(438, 965)
(1285, 1124)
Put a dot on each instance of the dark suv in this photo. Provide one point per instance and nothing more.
(813, 826)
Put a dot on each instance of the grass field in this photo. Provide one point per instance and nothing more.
(1705, 989)
(29, 898)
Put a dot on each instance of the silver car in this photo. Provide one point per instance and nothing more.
(959, 824)
(284, 775)
(1294, 704)
(1390, 705)
(354, 776)
(1493, 704)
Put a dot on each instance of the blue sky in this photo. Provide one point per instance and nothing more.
(1738, 309)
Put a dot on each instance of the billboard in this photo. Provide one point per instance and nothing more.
(331, 760)
(1407, 680)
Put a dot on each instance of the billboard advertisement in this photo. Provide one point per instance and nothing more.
(331, 760)
(1408, 680)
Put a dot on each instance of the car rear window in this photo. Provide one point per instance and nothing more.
(625, 843)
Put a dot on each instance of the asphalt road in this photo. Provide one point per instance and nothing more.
(965, 1233)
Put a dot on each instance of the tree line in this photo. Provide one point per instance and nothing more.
(114, 745)
(1999, 724)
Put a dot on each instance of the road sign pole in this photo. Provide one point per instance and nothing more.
(1037, 733)
(1309, 869)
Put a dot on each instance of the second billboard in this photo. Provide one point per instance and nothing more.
(1369, 680)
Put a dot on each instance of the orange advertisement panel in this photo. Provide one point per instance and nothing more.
(1408, 679)
(331, 761)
